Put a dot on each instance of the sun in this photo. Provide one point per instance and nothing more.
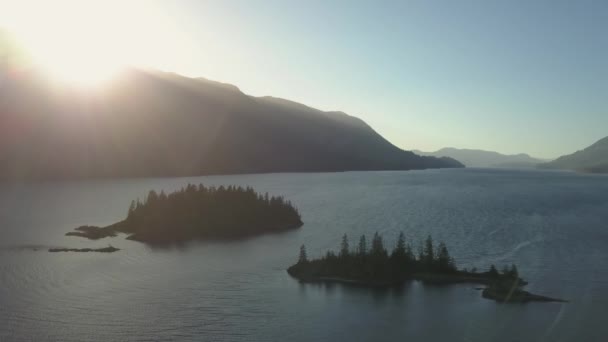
(86, 43)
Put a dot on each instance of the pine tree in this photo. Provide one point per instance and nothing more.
(493, 272)
(131, 210)
(429, 253)
(378, 249)
(362, 250)
(409, 253)
(152, 197)
(344, 247)
(400, 249)
(444, 261)
(421, 257)
(303, 256)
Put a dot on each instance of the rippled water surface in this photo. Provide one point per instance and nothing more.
(554, 225)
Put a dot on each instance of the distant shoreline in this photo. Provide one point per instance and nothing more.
(109, 249)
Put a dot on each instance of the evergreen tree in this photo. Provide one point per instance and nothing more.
(362, 250)
(344, 247)
(444, 261)
(329, 255)
(378, 249)
(493, 272)
(303, 256)
(421, 257)
(429, 252)
(409, 254)
(131, 210)
(152, 197)
(400, 248)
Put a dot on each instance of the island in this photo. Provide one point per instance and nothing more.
(109, 249)
(375, 267)
(200, 212)
(92, 232)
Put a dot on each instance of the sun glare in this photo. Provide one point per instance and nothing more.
(85, 43)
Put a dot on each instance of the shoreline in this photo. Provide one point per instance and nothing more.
(109, 249)
(514, 295)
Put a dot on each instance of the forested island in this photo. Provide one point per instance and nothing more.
(375, 266)
(200, 212)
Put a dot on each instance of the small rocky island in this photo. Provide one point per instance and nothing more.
(200, 212)
(374, 266)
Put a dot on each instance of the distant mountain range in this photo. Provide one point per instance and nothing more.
(481, 158)
(592, 159)
(149, 123)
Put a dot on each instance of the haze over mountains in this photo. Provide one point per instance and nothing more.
(161, 124)
(481, 158)
(592, 159)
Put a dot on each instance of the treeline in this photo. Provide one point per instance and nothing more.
(373, 262)
(200, 211)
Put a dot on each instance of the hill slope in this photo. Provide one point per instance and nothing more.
(161, 124)
(481, 158)
(592, 159)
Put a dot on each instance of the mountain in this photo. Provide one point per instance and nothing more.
(150, 123)
(592, 159)
(480, 158)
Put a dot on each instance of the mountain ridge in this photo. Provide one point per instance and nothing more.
(483, 158)
(156, 124)
(593, 159)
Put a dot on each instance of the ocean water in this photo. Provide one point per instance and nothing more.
(553, 225)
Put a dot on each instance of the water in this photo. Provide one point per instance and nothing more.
(554, 225)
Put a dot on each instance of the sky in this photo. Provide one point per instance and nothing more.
(509, 76)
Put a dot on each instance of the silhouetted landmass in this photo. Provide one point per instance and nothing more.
(199, 212)
(593, 159)
(375, 266)
(506, 294)
(92, 232)
(148, 124)
(109, 249)
(481, 158)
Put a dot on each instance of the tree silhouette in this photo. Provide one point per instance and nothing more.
(362, 250)
(344, 247)
(131, 210)
(374, 264)
(493, 272)
(429, 253)
(303, 258)
(444, 260)
(378, 249)
(400, 248)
